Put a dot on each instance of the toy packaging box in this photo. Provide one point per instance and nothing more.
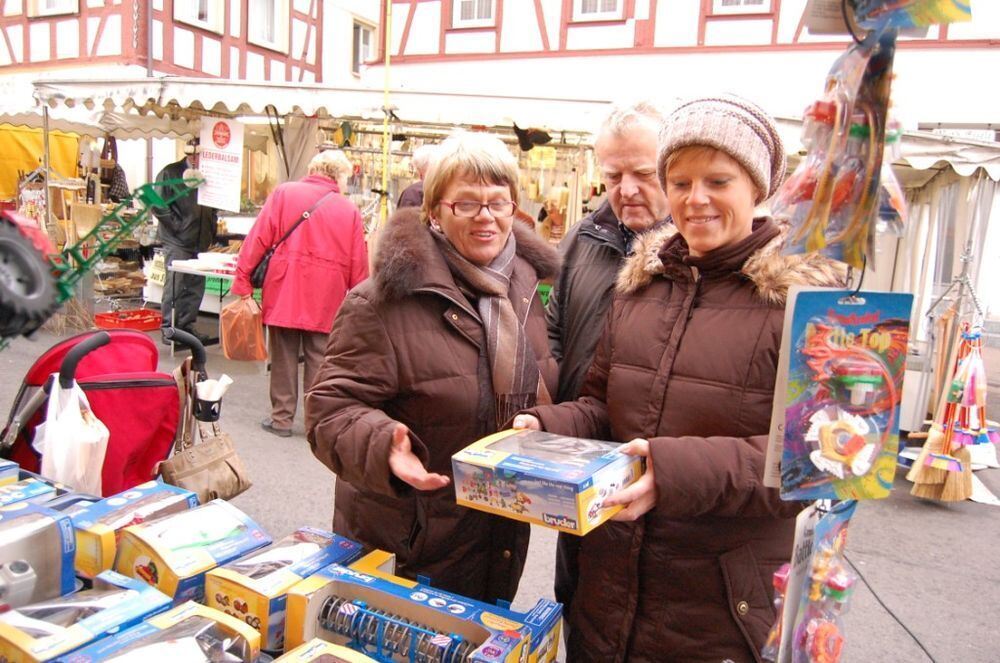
(37, 547)
(9, 471)
(173, 553)
(366, 608)
(254, 588)
(321, 651)
(99, 525)
(189, 632)
(835, 420)
(42, 631)
(552, 480)
(26, 490)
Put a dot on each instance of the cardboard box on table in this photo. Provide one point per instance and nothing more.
(254, 587)
(99, 525)
(495, 632)
(184, 633)
(551, 480)
(321, 651)
(175, 552)
(31, 490)
(37, 547)
(9, 471)
(43, 631)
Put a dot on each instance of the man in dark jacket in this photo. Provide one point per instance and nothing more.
(185, 228)
(413, 195)
(593, 251)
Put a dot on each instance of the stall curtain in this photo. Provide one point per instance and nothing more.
(21, 150)
(301, 136)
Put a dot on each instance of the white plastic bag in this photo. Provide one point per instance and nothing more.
(71, 440)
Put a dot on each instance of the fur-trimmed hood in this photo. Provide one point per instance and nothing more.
(772, 272)
(407, 257)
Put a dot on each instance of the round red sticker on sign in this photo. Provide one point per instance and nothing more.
(221, 134)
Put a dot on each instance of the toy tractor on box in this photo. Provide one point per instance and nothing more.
(35, 280)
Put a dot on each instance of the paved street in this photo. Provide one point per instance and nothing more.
(935, 565)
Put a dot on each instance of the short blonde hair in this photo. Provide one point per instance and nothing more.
(478, 156)
(332, 163)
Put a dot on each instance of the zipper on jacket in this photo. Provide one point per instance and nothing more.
(696, 284)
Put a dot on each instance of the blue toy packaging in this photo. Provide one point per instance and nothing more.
(321, 651)
(835, 422)
(9, 471)
(37, 547)
(254, 588)
(542, 478)
(43, 631)
(175, 552)
(26, 490)
(391, 619)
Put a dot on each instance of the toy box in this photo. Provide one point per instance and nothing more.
(36, 554)
(42, 631)
(253, 588)
(189, 632)
(99, 525)
(8, 472)
(542, 478)
(321, 651)
(26, 490)
(175, 552)
(393, 619)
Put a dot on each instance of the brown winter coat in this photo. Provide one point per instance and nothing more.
(408, 347)
(688, 361)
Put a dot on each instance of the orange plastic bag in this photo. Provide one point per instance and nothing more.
(243, 331)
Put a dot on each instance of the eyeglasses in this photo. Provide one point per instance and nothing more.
(469, 209)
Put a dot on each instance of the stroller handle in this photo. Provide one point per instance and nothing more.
(67, 369)
(198, 355)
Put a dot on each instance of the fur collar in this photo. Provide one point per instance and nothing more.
(407, 257)
(771, 272)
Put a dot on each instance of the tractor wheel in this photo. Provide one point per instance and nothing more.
(27, 287)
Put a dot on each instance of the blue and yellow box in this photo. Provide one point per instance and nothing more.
(42, 631)
(37, 547)
(26, 490)
(9, 471)
(321, 651)
(542, 478)
(338, 600)
(189, 632)
(254, 588)
(175, 552)
(98, 525)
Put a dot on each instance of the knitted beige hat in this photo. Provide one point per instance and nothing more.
(732, 125)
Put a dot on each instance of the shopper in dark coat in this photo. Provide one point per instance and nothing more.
(413, 375)
(686, 370)
(413, 195)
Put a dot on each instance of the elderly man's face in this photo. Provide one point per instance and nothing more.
(628, 169)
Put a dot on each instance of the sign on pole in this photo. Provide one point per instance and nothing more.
(221, 163)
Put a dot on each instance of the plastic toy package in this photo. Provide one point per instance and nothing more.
(42, 631)
(8, 472)
(175, 552)
(835, 419)
(31, 490)
(875, 14)
(99, 525)
(254, 588)
(542, 478)
(37, 547)
(321, 651)
(391, 619)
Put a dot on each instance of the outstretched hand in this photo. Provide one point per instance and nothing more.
(641, 496)
(407, 467)
(526, 422)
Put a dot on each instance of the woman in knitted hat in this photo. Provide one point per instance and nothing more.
(686, 371)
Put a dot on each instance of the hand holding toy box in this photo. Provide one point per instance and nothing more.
(254, 588)
(37, 547)
(46, 630)
(542, 478)
(175, 552)
(99, 525)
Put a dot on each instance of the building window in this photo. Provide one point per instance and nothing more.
(597, 10)
(364, 46)
(39, 8)
(741, 6)
(206, 14)
(473, 13)
(267, 22)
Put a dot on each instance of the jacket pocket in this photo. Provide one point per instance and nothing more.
(750, 602)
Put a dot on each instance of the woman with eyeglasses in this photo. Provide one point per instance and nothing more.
(442, 346)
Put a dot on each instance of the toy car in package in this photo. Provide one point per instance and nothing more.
(175, 552)
(835, 420)
(191, 633)
(36, 554)
(48, 629)
(254, 587)
(98, 525)
(552, 480)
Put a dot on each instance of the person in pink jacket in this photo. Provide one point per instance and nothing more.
(308, 277)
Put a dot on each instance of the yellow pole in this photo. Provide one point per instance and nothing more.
(386, 135)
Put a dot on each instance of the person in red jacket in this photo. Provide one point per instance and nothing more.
(308, 277)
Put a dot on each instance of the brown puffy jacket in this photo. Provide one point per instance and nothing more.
(688, 361)
(406, 347)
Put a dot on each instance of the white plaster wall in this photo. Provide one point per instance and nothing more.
(985, 23)
(39, 48)
(338, 36)
(724, 33)
(211, 56)
(470, 42)
(676, 23)
(520, 27)
(400, 14)
(552, 11)
(16, 36)
(277, 71)
(183, 48)
(67, 39)
(234, 62)
(158, 40)
(788, 20)
(255, 67)
(425, 30)
(582, 36)
(12, 8)
(111, 38)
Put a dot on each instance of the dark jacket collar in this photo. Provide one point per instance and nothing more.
(603, 226)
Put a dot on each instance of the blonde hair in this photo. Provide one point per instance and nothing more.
(477, 156)
(332, 163)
